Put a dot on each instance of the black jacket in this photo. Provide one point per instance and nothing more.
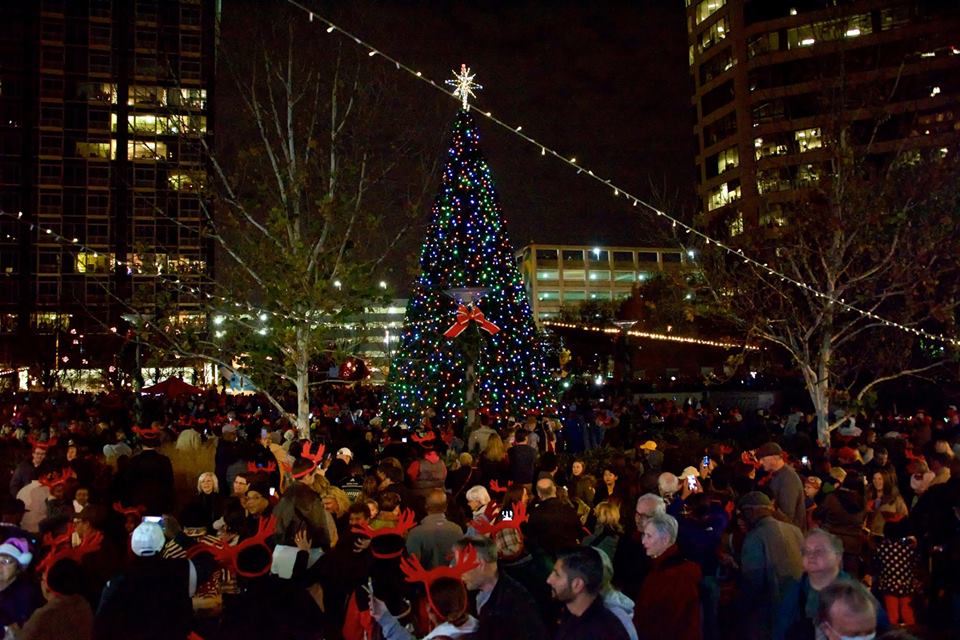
(523, 459)
(150, 601)
(509, 612)
(596, 623)
(553, 526)
(149, 482)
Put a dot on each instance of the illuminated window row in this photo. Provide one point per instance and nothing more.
(787, 143)
(579, 295)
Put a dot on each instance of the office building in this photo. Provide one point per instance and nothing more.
(765, 76)
(104, 109)
(567, 275)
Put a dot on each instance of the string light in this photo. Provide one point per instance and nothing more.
(630, 197)
(652, 336)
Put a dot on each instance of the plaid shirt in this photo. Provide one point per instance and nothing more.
(509, 543)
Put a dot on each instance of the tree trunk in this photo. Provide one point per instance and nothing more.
(821, 392)
(303, 384)
(468, 397)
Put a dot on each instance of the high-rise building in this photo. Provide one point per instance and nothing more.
(104, 109)
(568, 275)
(765, 77)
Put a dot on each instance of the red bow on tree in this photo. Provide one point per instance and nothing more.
(464, 315)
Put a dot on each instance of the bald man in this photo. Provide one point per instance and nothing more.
(554, 524)
(432, 540)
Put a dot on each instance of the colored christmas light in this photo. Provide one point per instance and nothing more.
(467, 247)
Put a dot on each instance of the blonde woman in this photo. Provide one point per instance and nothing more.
(494, 465)
(607, 530)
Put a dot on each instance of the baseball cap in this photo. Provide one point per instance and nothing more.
(769, 449)
(147, 539)
(649, 445)
(754, 499)
(690, 471)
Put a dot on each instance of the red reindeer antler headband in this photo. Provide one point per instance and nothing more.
(427, 438)
(405, 522)
(52, 480)
(490, 529)
(44, 445)
(227, 556)
(253, 467)
(152, 432)
(313, 457)
(60, 548)
(135, 510)
(465, 560)
(496, 488)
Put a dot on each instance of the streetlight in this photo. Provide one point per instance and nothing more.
(383, 284)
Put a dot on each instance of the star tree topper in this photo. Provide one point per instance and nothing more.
(464, 85)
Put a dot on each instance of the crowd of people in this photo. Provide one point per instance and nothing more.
(617, 518)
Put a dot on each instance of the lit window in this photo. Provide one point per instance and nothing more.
(548, 295)
(707, 8)
(623, 276)
(765, 148)
(574, 296)
(573, 274)
(600, 295)
(808, 139)
(599, 275)
(728, 159)
(97, 92)
(146, 150)
(722, 195)
(94, 262)
(184, 181)
(713, 34)
(93, 150)
(548, 274)
(144, 95)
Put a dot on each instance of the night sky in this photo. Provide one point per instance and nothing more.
(606, 82)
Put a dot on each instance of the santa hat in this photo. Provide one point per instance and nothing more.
(19, 550)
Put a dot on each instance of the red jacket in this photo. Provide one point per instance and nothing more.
(668, 603)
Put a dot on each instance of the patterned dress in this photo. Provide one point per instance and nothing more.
(899, 563)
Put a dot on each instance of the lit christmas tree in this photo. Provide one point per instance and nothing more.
(469, 340)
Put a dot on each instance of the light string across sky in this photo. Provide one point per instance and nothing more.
(618, 191)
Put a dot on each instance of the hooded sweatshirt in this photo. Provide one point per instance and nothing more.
(621, 606)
